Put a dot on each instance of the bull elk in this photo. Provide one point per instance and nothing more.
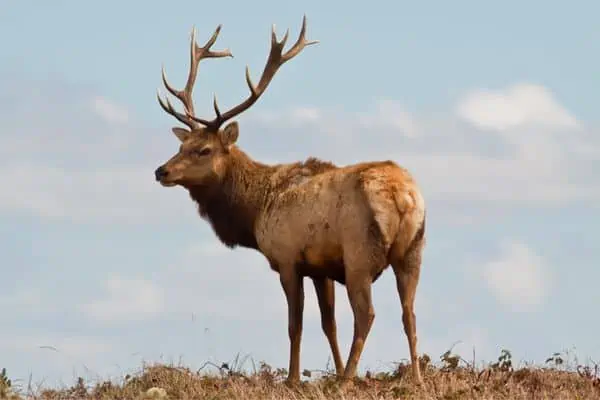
(309, 219)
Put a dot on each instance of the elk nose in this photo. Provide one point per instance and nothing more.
(160, 173)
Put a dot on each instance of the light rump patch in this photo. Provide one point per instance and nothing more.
(309, 219)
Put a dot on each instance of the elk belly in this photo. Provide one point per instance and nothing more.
(322, 260)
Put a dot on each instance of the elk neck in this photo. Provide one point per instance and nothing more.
(232, 206)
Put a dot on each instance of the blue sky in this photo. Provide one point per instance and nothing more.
(491, 106)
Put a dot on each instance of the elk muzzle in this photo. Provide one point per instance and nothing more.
(160, 173)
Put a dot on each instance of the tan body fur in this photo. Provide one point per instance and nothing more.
(309, 219)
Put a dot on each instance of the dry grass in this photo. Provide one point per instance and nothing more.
(453, 378)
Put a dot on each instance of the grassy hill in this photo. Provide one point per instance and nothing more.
(450, 378)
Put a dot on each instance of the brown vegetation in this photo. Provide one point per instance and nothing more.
(309, 219)
(449, 380)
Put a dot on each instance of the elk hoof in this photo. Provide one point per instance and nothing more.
(346, 383)
(292, 382)
(419, 381)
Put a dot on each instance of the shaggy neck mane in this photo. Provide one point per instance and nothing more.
(232, 205)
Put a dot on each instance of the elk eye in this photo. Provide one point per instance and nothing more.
(205, 151)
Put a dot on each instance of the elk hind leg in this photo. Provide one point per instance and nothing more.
(324, 287)
(359, 277)
(407, 270)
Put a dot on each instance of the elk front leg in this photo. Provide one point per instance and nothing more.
(294, 292)
(359, 293)
(325, 290)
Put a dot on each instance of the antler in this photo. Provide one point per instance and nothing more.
(185, 96)
(276, 59)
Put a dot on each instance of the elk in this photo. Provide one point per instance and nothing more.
(310, 218)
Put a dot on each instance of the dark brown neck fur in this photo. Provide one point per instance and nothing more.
(233, 205)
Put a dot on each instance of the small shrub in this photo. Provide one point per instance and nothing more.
(6, 387)
(504, 362)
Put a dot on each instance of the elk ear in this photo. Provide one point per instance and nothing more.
(182, 134)
(229, 134)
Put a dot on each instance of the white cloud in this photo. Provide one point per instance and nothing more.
(387, 115)
(390, 115)
(126, 299)
(306, 114)
(109, 111)
(501, 182)
(518, 278)
(518, 105)
(109, 194)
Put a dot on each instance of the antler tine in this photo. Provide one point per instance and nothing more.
(209, 43)
(300, 44)
(170, 110)
(216, 106)
(275, 60)
(274, 41)
(197, 53)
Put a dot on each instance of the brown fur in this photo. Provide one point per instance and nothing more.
(309, 219)
(233, 221)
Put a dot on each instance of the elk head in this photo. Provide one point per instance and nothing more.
(205, 147)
